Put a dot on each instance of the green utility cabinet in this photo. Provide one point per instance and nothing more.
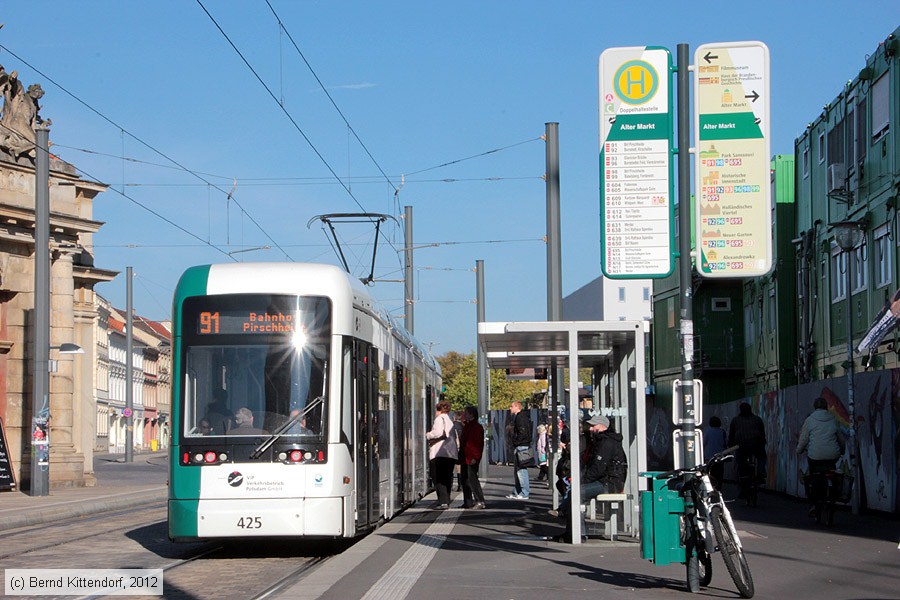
(661, 512)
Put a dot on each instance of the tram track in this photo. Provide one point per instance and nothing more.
(41, 531)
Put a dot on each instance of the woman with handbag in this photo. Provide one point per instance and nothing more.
(443, 452)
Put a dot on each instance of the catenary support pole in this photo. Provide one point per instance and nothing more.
(408, 282)
(129, 370)
(555, 373)
(483, 377)
(40, 406)
(688, 425)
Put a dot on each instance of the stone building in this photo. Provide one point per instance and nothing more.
(72, 306)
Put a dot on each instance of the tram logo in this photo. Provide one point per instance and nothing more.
(235, 479)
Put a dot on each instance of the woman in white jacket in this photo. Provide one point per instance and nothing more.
(444, 453)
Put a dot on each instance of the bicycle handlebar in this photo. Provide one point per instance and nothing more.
(717, 457)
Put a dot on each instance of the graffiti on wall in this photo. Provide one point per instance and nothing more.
(877, 415)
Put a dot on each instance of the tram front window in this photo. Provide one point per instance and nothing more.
(247, 385)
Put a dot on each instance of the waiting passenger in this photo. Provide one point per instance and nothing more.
(244, 419)
(603, 472)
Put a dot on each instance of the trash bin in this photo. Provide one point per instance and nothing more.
(661, 517)
(154, 445)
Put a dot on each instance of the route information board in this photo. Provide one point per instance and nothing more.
(636, 212)
(732, 173)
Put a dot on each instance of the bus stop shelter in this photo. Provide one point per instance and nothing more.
(615, 352)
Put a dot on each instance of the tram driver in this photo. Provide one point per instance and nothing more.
(244, 419)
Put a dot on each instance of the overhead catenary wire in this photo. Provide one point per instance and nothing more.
(141, 141)
(147, 208)
(281, 106)
(333, 103)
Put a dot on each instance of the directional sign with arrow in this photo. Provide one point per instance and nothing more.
(731, 135)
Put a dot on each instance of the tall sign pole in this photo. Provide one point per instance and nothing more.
(636, 213)
(40, 401)
(731, 129)
(686, 287)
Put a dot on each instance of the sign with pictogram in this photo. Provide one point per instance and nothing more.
(636, 213)
(733, 216)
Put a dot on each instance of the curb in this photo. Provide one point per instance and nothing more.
(50, 514)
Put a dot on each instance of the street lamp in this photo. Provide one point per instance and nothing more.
(66, 348)
(848, 235)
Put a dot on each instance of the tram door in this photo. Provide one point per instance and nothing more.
(365, 379)
(401, 461)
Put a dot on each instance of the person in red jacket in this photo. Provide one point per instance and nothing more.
(471, 446)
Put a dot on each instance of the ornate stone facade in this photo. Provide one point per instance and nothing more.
(72, 320)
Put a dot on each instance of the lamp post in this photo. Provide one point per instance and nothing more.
(848, 235)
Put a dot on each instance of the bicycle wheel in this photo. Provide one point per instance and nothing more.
(733, 555)
(699, 566)
(705, 568)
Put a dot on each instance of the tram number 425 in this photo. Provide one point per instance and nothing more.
(250, 522)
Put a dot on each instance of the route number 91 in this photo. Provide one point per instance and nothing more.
(250, 522)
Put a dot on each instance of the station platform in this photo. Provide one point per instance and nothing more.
(506, 551)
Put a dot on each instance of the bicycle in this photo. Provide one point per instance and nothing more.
(707, 527)
(749, 479)
(824, 490)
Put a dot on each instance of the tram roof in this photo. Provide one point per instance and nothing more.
(541, 344)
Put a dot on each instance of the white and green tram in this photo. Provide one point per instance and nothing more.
(299, 407)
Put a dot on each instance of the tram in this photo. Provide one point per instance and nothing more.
(299, 407)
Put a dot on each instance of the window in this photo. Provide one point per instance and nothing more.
(749, 329)
(646, 294)
(806, 162)
(721, 304)
(881, 107)
(860, 264)
(883, 254)
(836, 144)
(838, 271)
(621, 294)
(861, 138)
(821, 148)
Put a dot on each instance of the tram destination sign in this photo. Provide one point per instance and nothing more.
(245, 321)
(636, 212)
(733, 217)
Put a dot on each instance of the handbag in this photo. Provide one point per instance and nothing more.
(525, 458)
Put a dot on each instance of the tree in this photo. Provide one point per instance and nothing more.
(461, 380)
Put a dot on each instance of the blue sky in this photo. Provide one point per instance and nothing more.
(421, 84)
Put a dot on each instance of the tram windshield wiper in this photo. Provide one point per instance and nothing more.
(284, 428)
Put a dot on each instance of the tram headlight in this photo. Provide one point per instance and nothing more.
(223, 457)
(296, 455)
(198, 457)
(307, 455)
(282, 456)
(211, 457)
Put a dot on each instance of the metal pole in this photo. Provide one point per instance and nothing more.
(129, 372)
(555, 374)
(851, 406)
(483, 400)
(689, 452)
(40, 402)
(554, 253)
(409, 295)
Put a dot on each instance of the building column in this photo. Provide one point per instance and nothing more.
(66, 453)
